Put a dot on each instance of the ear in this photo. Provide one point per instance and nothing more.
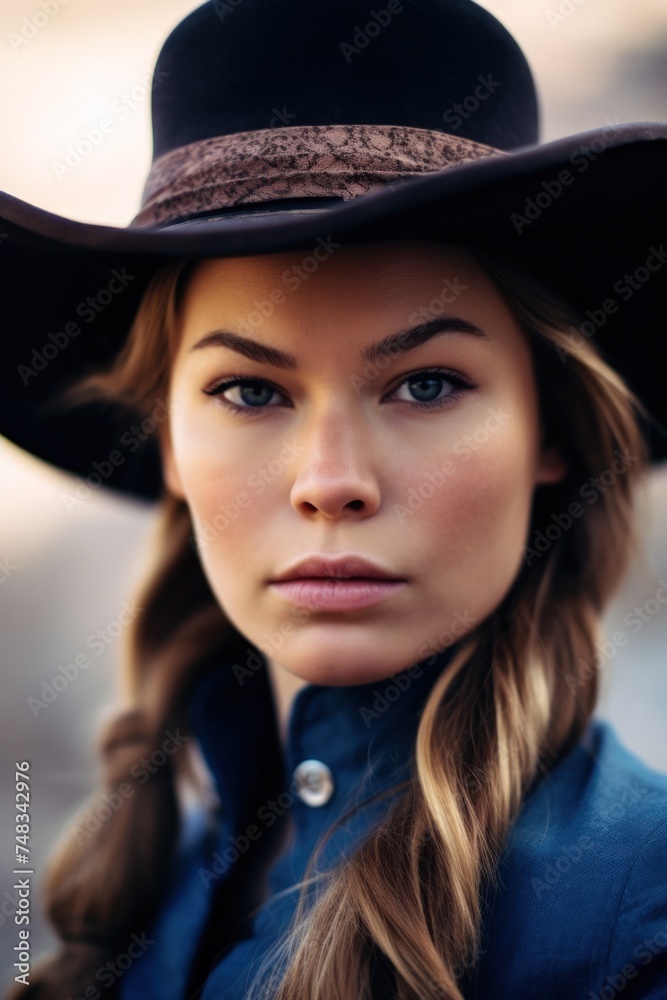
(551, 466)
(170, 472)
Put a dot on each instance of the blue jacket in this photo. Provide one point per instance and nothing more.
(580, 912)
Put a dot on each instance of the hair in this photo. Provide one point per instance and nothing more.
(514, 698)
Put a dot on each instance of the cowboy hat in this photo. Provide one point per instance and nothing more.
(275, 129)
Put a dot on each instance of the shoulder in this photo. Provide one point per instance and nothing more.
(585, 867)
(601, 796)
(597, 812)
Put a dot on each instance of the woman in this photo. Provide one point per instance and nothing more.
(409, 782)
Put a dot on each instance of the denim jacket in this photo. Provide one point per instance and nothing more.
(579, 910)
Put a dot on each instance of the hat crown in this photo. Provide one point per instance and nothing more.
(244, 65)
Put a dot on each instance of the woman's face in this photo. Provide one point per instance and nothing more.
(429, 474)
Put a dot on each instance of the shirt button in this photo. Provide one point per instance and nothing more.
(315, 784)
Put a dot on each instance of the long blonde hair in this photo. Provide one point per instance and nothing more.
(515, 697)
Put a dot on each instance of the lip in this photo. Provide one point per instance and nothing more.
(342, 583)
(338, 569)
(324, 594)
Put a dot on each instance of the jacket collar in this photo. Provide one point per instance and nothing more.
(361, 732)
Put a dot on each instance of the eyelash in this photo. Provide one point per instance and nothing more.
(234, 380)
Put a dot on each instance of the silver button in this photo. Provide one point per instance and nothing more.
(315, 784)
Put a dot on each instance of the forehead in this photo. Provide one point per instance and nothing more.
(356, 292)
(389, 268)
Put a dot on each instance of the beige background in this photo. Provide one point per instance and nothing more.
(72, 571)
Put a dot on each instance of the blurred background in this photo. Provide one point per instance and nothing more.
(65, 573)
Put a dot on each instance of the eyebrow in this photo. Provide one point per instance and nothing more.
(392, 346)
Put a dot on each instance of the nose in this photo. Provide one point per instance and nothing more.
(335, 474)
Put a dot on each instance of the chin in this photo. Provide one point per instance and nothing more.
(337, 672)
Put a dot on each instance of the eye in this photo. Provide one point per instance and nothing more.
(429, 384)
(254, 393)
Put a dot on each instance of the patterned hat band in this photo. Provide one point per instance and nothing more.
(297, 161)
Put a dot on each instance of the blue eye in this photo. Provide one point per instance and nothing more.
(255, 393)
(431, 385)
(256, 389)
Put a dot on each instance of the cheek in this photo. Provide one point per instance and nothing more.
(231, 494)
(478, 517)
(213, 469)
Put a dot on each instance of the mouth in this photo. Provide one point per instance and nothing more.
(325, 582)
(337, 568)
(320, 593)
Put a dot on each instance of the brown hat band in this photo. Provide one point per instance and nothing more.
(297, 161)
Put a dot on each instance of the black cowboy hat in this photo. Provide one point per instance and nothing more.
(278, 127)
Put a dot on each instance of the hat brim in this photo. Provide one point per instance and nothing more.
(586, 212)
